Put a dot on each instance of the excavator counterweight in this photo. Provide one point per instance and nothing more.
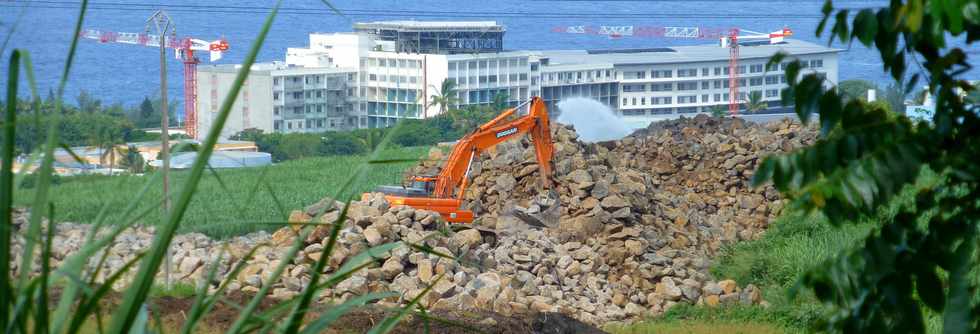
(443, 193)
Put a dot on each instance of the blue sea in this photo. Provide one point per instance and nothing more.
(127, 73)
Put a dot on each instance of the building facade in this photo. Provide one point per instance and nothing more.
(387, 71)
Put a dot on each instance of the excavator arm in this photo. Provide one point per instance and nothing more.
(456, 172)
(450, 184)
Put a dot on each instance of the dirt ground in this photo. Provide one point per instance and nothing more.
(172, 312)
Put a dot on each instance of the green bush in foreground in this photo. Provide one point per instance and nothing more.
(923, 259)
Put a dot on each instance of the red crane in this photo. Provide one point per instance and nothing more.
(184, 48)
(729, 38)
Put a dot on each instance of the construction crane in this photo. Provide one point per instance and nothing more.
(184, 48)
(730, 38)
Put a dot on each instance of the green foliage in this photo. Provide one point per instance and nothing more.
(76, 126)
(132, 160)
(755, 102)
(866, 156)
(445, 96)
(409, 133)
(856, 89)
(718, 110)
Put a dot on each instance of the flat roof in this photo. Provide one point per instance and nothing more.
(278, 67)
(681, 54)
(431, 25)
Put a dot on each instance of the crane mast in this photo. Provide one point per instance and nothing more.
(184, 48)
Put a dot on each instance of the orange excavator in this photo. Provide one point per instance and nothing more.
(443, 193)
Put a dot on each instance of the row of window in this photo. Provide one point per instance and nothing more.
(718, 70)
(813, 63)
(488, 63)
(707, 84)
(687, 99)
(578, 76)
(309, 79)
(490, 79)
(488, 95)
(399, 79)
(392, 95)
(312, 123)
(388, 62)
(393, 109)
(318, 108)
(659, 111)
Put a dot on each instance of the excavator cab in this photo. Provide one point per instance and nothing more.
(421, 186)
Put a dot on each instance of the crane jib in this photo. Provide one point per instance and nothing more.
(506, 132)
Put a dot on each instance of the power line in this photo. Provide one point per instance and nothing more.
(361, 12)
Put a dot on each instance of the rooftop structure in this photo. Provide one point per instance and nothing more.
(437, 37)
(682, 54)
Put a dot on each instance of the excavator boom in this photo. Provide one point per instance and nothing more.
(449, 186)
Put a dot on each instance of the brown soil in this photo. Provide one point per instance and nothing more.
(172, 311)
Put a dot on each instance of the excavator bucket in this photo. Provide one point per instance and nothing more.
(544, 213)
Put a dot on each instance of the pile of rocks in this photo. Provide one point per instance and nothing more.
(687, 178)
(640, 220)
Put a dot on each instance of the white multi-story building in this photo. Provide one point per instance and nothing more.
(386, 71)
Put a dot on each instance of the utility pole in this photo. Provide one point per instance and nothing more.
(161, 21)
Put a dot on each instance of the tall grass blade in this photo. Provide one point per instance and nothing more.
(7, 186)
(89, 303)
(47, 161)
(253, 304)
(389, 323)
(276, 201)
(31, 81)
(135, 296)
(75, 264)
(22, 307)
(296, 319)
(208, 302)
(41, 312)
(327, 318)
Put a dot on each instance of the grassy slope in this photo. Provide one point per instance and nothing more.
(227, 202)
(794, 243)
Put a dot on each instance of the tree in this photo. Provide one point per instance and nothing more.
(755, 102)
(299, 145)
(132, 160)
(87, 103)
(445, 96)
(856, 89)
(924, 253)
(895, 97)
(340, 143)
(973, 97)
(500, 101)
(146, 109)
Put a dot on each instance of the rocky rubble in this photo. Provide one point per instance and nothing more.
(640, 220)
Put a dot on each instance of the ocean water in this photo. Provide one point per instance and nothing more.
(127, 73)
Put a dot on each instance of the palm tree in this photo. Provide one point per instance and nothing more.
(132, 160)
(108, 150)
(500, 101)
(755, 102)
(445, 96)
